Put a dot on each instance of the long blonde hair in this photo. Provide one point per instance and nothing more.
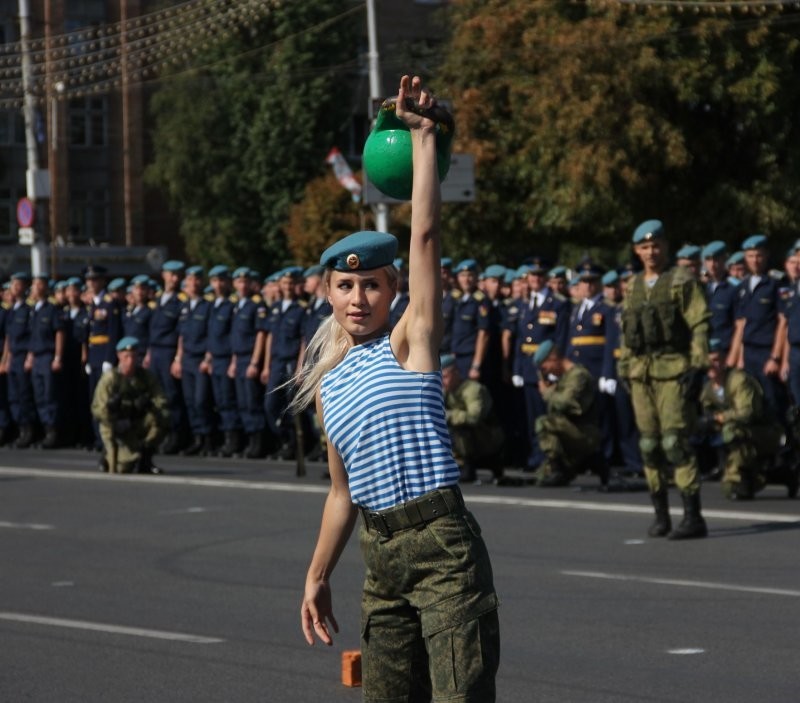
(327, 348)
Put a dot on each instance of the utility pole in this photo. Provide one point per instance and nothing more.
(33, 175)
(381, 210)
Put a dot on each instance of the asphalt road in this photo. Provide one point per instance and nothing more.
(186, 587)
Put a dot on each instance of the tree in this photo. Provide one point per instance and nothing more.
(587, 118)
(236, 142)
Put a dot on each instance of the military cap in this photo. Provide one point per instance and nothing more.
(316, 270)
(447, 360)
(94, 271)
(495, 271)
(587, 270)
(536, 264)
(127, 344)
(219, 271)
(557, 272)
(648, 230)
(714, 248)
(273, 277)
(360, 251)
(242, 272)
(195, 271)
(610, 278)
(293, 271)
(511, 274)
(688, 251)
(754, 241)
(141, 280)
(74, 281)
(574, 281)
(173, 266)
(60, 285)
(466, 265)
(43, 276)
(736, 258)
(543, 351)
(714, 345)
(447, 262)
(21, 276)
(116, 284)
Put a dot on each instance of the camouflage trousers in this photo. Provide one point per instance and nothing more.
(748, 448)
(429, 626)
(123, 451)
(565, 442)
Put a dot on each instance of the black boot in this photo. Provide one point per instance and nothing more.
(50, 438)
(146, 465)
(171, 444)
(662, 524)
(693, 525)
(231, 445)
(25, 438)
(208, 445)
(197, 445)
(255, 447)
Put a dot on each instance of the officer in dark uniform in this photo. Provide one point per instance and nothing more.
(104, 331)
(163, 349)
(218, 359)
(398, 306)
(545, 316)
(137, 317)
(470, 330)
(192, 344)
(492, 368)
(74, 386)
(45, 357)
(688, 256)
(319, 309)
(450, 296)
(722, 294)
(512, 414)
(5, 413)
(247, 346)
(287, 319)
(20, 391)
(760, 327)
(589, 323)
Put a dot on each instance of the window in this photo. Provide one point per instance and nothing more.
(8, 215)
(87, 121)
(89, 216)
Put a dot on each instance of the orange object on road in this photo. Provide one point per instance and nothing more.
(351, 667)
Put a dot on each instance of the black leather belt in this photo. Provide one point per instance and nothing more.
(414, 513)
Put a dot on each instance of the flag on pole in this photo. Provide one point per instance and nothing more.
(343, 173)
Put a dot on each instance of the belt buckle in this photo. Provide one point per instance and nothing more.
(380, 524)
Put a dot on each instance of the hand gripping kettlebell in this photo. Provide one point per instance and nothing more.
(387, 152)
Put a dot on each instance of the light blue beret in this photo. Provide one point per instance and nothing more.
(755, 241)
(173, 266)
(688, 251)
(273, 277)
(60, 285)
(557, 272)
(21, 276)
(523, 271)
(195, 271)
(255, 275)
(360, 251)
(43, 276)
(293, 271)
(736, 258)
(511, 274)
(447, 360)
(543, 351)
(447, 262)
(74, 281)
(116, 284)
(466, 265)
(495, 271)
(127, 344)
(610, 278)
(398, 263)
(219, 271)
(648, 230)
(242, 272)
(714, 248)
(314, 271)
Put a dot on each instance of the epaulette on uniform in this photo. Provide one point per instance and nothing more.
(302, 303)
(256, 298)
(30, 302)
(209, 297)
(560, 298)
(107, 298)
(5, 305)
(456, 293)
(152, 304)
(51, 299)
(233, 298)
(479, 295)
(183, 297)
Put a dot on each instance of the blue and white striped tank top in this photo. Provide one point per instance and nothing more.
(388, 425)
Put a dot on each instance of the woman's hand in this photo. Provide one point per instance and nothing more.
(315, 610)
(412, 88)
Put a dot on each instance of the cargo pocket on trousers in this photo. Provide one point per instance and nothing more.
(464, 658)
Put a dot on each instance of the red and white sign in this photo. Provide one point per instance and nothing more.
(343, 173)
(25, 212)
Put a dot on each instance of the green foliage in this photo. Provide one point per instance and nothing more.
(586, 119)
(236, 142)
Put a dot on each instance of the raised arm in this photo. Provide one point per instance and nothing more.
(418, 335)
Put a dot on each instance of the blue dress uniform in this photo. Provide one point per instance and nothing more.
(193, 330)
(20, 391)
(163, 347)
(285, 325)
(546, 316)
(589, 323)
(449, 302)
(249, 315)
(136, 322)
(74, 388)
(316, 313)
(397, 308)
(46, 322)
(470, 315)
(791, 309)
(723, 300)
(218, 346)
(5, 414)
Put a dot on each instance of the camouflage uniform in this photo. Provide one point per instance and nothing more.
(133, 417)
(749, 435)
(569, 433)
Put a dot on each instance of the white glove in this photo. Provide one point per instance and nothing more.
(611, 386)
(107, 366)
(552, 378)
(517, 381)
(601, 384)
(88, 369)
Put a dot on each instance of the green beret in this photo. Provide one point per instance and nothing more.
(127, 344)
(360, 251)
(543, 351)
(648, 230)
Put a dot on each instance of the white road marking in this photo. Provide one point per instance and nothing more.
(634, 541)
(109, 629)
(62, 584)
(685, 583)
(248, 485)
(686, 650)
(26, 526)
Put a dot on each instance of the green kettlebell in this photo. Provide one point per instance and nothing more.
(387, 152)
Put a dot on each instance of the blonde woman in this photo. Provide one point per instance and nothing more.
(429, 627)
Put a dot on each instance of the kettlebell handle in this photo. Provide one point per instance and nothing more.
(437, 113)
